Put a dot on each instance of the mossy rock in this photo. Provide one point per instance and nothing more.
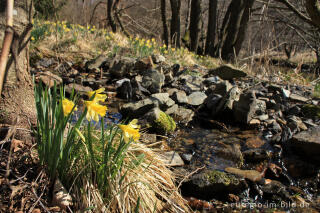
(164, 123)
(216, 176)
(311, 111)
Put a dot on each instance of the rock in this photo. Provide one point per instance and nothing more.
(148, 138)
(276, 190)
(252, 175)
(172, 158)
(65, 68)
(311, 111)
(160, 121)
(164, 101)
(275, 126)
(190, 83)
(256, 155)
(157, 58)
(168, 78)
(261, 107)
(122, 66)
(307, 143)
(274, 88)
(212, 80)
(227, 72)
(299, 98)
(186, 157)
(295, 110)
(144, 64)
(296, 124)
(171, 91)
(285, 93)
(98, 63)
(79, 89)
(49, 79)
(183, 115)
(245, 108)
(272, 104)
(124, 89)
(254, 142)
(226, 104)
(212, 101)
(196, 98)
(138, 91)
(172, 109)
(221, 88)
(262, 117)
(180, 97)
(138, 108)
(254, 122)
(152, 80)
(297, 168)
(213, 184)
(45, 62)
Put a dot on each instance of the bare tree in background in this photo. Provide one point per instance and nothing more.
(313, 9)
(233, 29)
(165, 35)
(195, 17)
(175, 31)
(306, 24)
(110, 14)
(211, 31)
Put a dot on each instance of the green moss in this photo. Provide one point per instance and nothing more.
(311, 111)
(165, 123)
(221, 177)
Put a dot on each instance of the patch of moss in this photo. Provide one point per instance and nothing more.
(311, 111)
(165, 123)
(216, 176)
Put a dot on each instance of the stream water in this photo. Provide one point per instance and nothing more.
(292, 178)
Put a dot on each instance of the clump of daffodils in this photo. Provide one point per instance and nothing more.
(95, 110)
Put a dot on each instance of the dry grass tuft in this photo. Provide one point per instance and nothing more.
(151, 181)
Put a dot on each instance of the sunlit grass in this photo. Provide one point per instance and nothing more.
(63, 39)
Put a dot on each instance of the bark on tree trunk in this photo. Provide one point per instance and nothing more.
(175, 34)
(313, 9)
(110, 16)
(195, 16)
(211, 32)
(165, 35)
(17, 99)
(233, 29)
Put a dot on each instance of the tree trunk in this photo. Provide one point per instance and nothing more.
(233, 29)
(211, 32)
(313, 9)
(195, 16)
(17, 98)
(175, 34)
(165, 35)
(110, 16)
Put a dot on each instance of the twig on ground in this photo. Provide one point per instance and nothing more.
(189, 175)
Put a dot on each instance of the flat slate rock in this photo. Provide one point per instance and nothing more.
(227, 72)
(295, 97)
(307, 143)
(172, 158)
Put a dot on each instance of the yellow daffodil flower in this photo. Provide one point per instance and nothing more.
(98, 97)
(130, 131)
(67, 106)
(94, 110)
